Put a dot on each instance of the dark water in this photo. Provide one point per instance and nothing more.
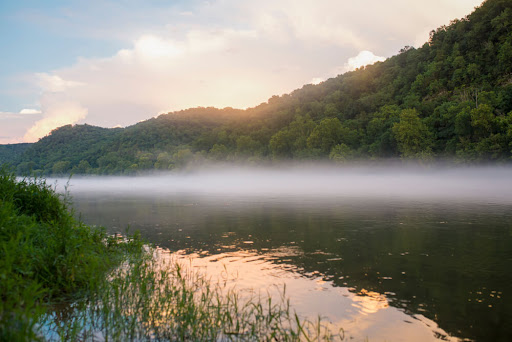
(394, 267)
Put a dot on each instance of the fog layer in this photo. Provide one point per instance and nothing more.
(474, 184)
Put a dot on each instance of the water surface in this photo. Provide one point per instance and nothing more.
(388, 254)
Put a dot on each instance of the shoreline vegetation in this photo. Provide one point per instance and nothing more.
(63, 280)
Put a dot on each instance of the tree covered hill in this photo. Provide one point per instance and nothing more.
(449, 99)
(12, 151)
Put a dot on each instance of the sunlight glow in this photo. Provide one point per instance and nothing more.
(369, 302)
(154, 47)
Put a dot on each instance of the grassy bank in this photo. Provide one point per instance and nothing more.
(46, 256)
(63, 280)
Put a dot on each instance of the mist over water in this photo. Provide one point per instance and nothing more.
(390, 253)
(484, 184)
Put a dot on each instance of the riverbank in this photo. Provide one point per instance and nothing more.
(113, 288)
(46, 256)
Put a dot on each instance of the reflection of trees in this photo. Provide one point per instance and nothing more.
(447, 263)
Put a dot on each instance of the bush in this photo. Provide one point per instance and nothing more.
(45, 254)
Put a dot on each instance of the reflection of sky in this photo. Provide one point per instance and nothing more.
(364, 314)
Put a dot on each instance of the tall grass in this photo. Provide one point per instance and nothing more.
(62, 280)
(158, 299)
(45, 254)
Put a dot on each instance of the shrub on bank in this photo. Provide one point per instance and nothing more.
(45, 254)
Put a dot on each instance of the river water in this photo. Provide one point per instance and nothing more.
(387, 254)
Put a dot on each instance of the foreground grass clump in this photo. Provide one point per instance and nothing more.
(46, 256)
(155, 298)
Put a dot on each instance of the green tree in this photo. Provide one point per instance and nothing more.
(341, 153)
(327, 134)
(61, 167)
(163, 161)
(281, 144)
(182, 157)
(413, 137)
(246, 146)
(218, 152)
(82, 167)
(300, 129)
(482, 119)
(145, 160)
(25, 168)
(378, 135)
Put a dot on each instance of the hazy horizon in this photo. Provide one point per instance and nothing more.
(474, 184)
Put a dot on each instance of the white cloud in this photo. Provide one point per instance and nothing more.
(153, 48)
(30, 111)
(317, 80)
(14, 125)
(384, 26)
(56, 112)
(362, 59)
(54, 83)
(159, 74)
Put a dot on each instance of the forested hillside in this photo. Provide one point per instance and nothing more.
(449, 99)
(12, 151)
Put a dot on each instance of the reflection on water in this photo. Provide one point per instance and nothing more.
(397, 268)
(370, 302)
(360, 313)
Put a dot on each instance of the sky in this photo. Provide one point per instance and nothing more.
(115, 63)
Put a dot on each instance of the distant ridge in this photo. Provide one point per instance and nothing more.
(449, 99)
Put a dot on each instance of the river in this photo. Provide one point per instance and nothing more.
(388, 254)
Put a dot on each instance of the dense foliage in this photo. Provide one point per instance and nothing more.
(449, 99)
(12, 151)
(45, 254)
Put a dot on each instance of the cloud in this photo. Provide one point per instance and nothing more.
(317, 80)
(54, 83)
(151, 50)
(227, 53)
(30, 111)
(13, 126)
(56, 113)
(383, 26)
(362, 59)
(221, 68)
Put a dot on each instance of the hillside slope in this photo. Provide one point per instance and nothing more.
(449, 99)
